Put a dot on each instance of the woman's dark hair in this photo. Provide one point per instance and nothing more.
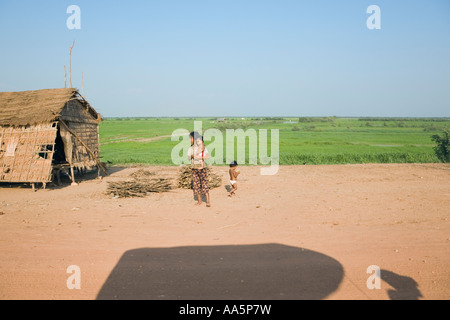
(233, 164)
(196, 135)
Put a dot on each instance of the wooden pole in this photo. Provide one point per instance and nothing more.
(82, 85)
(65, 77)
(72, 176)
(70, 63)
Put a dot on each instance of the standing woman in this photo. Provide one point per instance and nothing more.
(197, 154)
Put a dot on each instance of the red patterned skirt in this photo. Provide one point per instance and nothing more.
(200, 181)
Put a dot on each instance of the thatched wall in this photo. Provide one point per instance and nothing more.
(78, 111)
(26, 153)
(81, 122)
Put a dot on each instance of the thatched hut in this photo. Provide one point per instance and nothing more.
(45, 131)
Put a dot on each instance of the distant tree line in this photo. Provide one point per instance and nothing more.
(405, 119)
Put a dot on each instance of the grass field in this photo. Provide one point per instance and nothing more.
(321, 140)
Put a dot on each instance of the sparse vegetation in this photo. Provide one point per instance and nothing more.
(318, 140)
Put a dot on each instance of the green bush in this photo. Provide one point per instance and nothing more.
(442, 148)
(430, 128)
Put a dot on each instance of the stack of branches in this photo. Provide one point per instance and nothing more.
(141, 185)
(185, 178)
(142, 173)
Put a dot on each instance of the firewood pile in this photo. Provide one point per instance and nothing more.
(142, 184)
(185, 178)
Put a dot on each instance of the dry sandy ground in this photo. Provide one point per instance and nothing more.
(308, 232)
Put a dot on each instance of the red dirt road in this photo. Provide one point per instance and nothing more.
(306, 232)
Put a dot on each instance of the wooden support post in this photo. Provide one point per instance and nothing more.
(58, 176)
(72, 176)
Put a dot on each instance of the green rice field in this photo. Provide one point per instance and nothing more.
(304, 140)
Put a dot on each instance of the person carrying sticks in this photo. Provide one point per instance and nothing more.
(197, 154)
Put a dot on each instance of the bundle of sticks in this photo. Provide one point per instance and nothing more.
(142, 173)
(141, 185)
(185, 178)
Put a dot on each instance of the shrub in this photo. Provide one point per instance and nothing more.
(431, 127)
(309, 128)
(442, 148)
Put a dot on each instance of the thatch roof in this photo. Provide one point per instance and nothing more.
(35, 106)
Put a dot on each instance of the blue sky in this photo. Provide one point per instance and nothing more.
(235, 58)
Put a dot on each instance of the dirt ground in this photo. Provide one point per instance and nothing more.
(308, 232)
